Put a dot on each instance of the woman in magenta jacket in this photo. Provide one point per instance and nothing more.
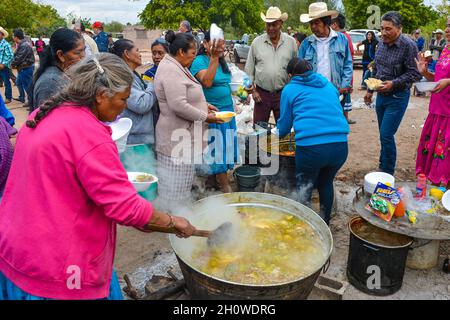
(67, 191)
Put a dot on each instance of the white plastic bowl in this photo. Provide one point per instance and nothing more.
(120, 131)
(226, 116)
(141, 186)
(425, 86)
(446, 200)
(371, 180)
(235, 86)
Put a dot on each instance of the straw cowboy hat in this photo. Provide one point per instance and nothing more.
(318, 10)
(274, 14)
(5, 33)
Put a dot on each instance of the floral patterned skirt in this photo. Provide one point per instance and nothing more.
(433, 155)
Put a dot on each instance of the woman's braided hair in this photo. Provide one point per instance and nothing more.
(101, 73)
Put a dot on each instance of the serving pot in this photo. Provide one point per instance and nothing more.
(205, 287)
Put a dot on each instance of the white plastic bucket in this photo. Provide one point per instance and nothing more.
(120, 131)
(371, 180)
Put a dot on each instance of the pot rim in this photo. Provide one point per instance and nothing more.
(352, 220)
(326, 260)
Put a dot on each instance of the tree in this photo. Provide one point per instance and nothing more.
(243, 15)
(443, 10)
(34, 18)
(414, 12)
(45, 21)
(295, 8)
(114, 26)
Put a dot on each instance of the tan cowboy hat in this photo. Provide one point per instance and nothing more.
(318, 10)
(439, 31)
(5, 33)
(274, 14)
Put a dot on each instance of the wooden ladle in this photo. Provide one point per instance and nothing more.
(216, 237)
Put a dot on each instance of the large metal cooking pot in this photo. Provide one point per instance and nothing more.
(203, 286)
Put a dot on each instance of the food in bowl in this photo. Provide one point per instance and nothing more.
(273, 248)
(143, 178)
(373, 83)
(226, 116)
(141, 181)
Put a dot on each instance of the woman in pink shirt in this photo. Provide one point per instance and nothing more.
(67, 191)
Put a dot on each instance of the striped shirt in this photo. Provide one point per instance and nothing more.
(6, 53)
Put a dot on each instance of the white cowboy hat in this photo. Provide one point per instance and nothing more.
(439, 31)
(5, 33)
(427, 54)
(318, 10)
(274, 14)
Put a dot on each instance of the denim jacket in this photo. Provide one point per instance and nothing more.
(340, 58)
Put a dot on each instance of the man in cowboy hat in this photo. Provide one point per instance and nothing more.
(437, 44)
(6, 56)
(101, 37)
(266, 65)
(328, 51)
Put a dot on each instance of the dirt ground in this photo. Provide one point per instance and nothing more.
(143, 255)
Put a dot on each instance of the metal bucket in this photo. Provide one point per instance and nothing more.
(375, 268)
(205, 287)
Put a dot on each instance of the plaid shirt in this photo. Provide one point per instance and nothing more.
(6, 53)
(396, 63)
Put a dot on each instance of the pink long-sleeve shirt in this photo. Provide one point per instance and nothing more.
(65, 193)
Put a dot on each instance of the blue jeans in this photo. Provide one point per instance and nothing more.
(390, 111)
(316, 167)
(24, 81)
(365, 65)
(4, 74)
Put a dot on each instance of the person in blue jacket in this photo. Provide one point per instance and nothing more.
(101, 37)
(310, 104)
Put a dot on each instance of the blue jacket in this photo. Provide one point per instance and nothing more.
(102, 41)
(340, 58)
(310, 104)
(420, 43)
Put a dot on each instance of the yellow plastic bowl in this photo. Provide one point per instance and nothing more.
(226, 116)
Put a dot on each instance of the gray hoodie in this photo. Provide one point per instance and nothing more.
(140, 110)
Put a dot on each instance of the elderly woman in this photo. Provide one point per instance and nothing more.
(310, 104)
(66, 49)
(211, 69)
(184, 117)
(57, 239)
(139, 156)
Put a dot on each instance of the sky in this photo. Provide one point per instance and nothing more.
(107, 10)
(102, 10)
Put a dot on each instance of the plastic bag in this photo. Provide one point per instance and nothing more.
(216, 33)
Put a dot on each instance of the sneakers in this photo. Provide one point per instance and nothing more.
(351, 121)
(7, 101)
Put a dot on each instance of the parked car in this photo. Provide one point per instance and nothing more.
(46, 41)
(241, 49)
(364, 31)
(357, 37)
